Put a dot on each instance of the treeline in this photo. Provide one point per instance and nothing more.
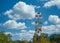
(6, 38)
(53, 38)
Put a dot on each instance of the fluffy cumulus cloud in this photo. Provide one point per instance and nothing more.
(50, 29)
(54, 19)
(12, 24)
(21, 10)
(25, 35)
(52, 3)
(54, 27)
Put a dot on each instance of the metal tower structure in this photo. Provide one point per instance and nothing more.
(38, 24)
(38, 28)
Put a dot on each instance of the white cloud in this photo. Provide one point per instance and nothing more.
(26, 35)
(58, 26)
(21, 10)
(52, 3)
(12, 24)
(37, 6)
(33, 23)
(46, 22)
(50, 29)
(23, 31)
(54, 19)
(31, 31)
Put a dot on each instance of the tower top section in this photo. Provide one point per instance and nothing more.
(38, 15)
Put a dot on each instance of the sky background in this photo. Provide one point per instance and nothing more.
(17, 17)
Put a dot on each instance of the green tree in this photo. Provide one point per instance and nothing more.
(4, 38)
(55, 38)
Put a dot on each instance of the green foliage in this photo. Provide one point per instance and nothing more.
(4, 38)
(44, 38)
(54, 38)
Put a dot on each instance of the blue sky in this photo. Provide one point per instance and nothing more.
(17, 17)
